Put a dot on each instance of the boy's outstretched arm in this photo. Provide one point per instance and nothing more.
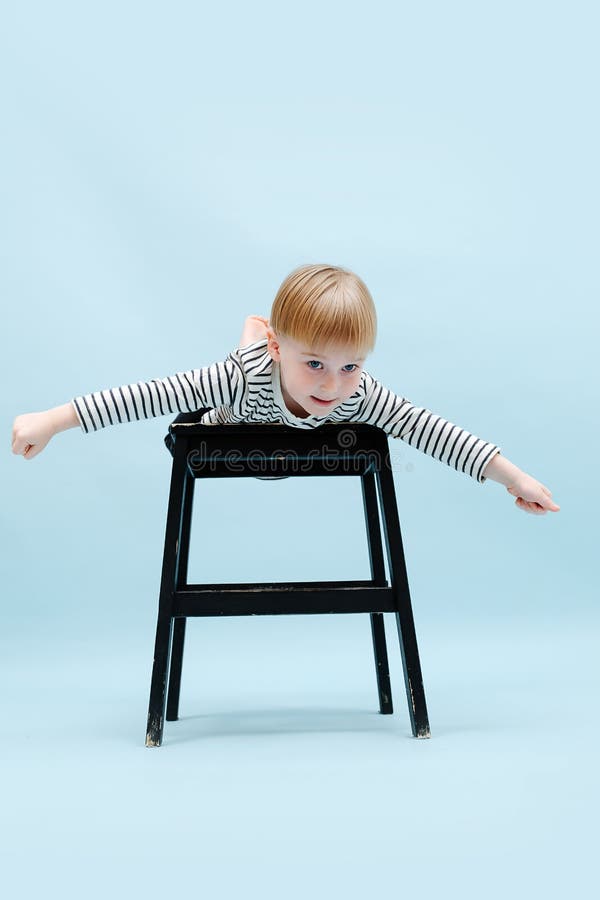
(532, 496)
(220, 384)
(450, 444)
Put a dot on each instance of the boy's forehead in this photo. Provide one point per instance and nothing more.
(330, 351)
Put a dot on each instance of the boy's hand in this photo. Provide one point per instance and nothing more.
(31, 432)
(255, 329)
(532, 497)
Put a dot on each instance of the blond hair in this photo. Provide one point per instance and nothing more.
(321, 305)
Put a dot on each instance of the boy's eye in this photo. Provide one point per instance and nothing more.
(349, 367)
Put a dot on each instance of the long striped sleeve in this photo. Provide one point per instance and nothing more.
(215, 385)
(425, 430)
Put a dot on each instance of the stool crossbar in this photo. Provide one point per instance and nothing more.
(268, 451)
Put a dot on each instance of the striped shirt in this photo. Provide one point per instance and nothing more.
(246, 387)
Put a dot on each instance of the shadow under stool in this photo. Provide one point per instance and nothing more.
(267, 451)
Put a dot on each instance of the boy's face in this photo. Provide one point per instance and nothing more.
(310, 375)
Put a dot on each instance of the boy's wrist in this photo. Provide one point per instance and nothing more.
(63, 417)
(501, 469)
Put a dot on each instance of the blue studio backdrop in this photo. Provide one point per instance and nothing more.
(163, 168)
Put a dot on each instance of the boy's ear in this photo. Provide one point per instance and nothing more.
(273, 345)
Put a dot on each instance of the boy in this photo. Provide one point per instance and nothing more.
(303, 367)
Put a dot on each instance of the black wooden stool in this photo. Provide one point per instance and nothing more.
(277, 451)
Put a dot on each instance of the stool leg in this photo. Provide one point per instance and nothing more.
(164, 625)
(176, 666)
(382, 670)
(180, 622)
(413, 679)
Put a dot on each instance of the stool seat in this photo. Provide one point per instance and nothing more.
(272, 451)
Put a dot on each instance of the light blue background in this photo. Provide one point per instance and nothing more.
(163, 168)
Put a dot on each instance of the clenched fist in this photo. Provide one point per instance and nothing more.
(31, 432)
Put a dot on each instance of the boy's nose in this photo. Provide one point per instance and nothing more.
(329, 387)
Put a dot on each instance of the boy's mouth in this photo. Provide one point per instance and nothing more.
(322, 402)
